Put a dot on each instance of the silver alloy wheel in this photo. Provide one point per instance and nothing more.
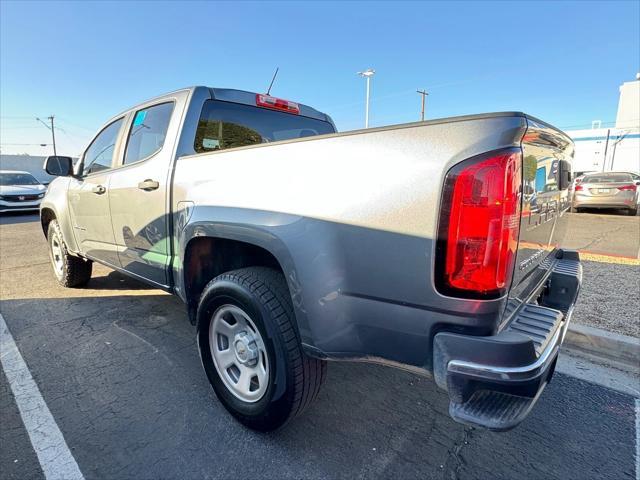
(56, 256)
(238, 353)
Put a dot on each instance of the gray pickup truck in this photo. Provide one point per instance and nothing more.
(435, 247)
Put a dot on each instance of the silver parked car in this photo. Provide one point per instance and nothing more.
(607, 190)
(19, 191)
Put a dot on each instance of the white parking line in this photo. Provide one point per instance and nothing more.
(55, 458)
(637, 439)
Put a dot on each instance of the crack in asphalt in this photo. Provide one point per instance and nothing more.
(155, 349)
(600, 238)
(455, 455)
(23, 266)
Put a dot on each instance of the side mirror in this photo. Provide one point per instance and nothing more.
(58, 166)
(564, 173)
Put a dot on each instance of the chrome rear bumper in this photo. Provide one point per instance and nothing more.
(494, 381)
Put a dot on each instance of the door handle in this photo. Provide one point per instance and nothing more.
(148, 185)
(98, 189)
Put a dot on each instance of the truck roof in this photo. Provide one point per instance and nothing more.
(249, 98)
(242, 96)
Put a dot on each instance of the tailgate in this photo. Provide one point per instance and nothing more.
(544, 207)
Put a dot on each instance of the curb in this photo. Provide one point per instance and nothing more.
(608, 345)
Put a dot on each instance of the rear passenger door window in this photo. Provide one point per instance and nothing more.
(148, 132)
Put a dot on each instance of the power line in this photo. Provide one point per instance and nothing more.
(75, 125)
(31, 144)
(18, 128)
(71, 139)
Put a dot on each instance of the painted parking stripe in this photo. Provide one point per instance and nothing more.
(637, 439)
(55, 458)
(593, 256)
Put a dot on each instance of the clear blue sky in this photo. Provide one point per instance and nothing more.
(86, 61)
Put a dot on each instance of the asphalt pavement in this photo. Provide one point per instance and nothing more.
(604, 232)
(118, 368)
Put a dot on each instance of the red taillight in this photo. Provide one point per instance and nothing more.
(479, 225)
(633, 188)
(274, 103)
(579, 188)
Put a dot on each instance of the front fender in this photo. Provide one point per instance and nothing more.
(56, 202)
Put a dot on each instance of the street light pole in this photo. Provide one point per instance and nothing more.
(370, 72)
(366, 112)
(424, 94)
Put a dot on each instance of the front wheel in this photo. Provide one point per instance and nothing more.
(250, 348)
(70, 271)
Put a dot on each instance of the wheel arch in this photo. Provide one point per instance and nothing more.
(58, 210)
(206, 257)
(46, 216)
(210, 252)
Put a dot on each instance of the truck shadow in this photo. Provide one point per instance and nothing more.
(117, 281)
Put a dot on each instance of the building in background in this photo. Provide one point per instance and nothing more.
(615, 148)
(629, 105)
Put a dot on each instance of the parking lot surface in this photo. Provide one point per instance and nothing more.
(117, 365)
(610, 248)
(604, 232)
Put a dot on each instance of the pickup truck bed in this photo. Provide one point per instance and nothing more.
(434, 246)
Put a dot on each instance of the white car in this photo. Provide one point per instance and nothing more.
(19, 191)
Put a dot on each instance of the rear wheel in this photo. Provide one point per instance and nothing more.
(250, 348)
(70, 271)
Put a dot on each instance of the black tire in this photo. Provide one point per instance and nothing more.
(74, 271)
(632, 212)
(294, 378)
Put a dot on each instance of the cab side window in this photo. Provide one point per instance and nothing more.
(148, 132)
(99, 155)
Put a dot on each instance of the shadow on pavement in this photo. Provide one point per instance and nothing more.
(123, 379)
(117, 281)
(12, 218)
(604, 211)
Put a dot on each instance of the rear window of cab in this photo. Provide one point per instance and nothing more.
(225, 125)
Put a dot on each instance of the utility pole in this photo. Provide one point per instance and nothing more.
(370, 72)
(53, 133)
(53, 136)
(424, 94)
